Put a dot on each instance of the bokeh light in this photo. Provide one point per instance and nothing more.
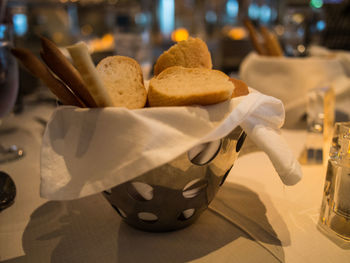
(316, 3)
(179, 34)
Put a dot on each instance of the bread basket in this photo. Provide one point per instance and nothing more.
(174, 195)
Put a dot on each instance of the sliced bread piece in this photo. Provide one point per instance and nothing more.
(179, 86)
(241, 89)
(191, 53)
(122, 77)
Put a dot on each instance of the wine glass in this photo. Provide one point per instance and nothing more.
(8, 88)
(294, 37)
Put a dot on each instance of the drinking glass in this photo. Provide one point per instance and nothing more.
(8, 88)
(132, 33)
(320, 121)
(335, 210)
(294, 37)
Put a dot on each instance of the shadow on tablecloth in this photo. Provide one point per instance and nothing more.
(89, 230)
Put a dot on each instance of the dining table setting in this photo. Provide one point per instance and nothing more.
(254, 216)
(101, 165)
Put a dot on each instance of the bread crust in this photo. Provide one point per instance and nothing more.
(39, 70)
(254, 37)
(191, 53)
(62, 67)
(241, 89)
(272, 45)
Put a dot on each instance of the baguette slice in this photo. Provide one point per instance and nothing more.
(122, 77)
(241, 89)
(191, 53)
(179, 86)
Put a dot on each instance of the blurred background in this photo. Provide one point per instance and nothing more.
(143, 29)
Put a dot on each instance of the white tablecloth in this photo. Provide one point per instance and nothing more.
(254, 217)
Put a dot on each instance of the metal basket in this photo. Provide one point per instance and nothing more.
(174, 195)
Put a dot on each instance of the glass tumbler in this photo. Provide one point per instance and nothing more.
(8, 72)
(9, 80)
(335, 209)
(132, 32)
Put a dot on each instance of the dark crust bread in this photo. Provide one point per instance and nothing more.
(39, 70)
(241, 89)
(62, 67)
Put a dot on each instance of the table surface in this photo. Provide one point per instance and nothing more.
(254, 217)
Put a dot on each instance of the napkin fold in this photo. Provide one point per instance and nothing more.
(86, 151)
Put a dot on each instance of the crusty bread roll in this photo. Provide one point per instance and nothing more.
(122, 77)
(179, 86)
(191, 53)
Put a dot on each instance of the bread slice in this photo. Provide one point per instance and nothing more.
(191, 53)
(241, 89)
(179, 86)
(122, 77)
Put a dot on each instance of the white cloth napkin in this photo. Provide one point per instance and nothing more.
(289, 79)
(342, 56)
(86, 151)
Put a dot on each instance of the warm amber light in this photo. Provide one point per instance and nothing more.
(102, 44)
(301, 48)
(108, 39)
(237, 33)
(179, 34)
(298, 18)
